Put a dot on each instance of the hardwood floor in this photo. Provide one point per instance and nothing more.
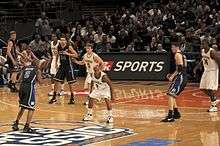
(137, 111)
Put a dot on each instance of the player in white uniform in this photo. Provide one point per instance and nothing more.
(209, 80)
(54, 63)
(90, 59)
(101, 88)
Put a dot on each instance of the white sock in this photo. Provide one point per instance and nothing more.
(52, 86)
(110, 113)
(89, 111)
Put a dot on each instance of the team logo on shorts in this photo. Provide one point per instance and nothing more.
(56, 137)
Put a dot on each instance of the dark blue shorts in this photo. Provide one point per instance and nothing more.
(27, 96)
(177, 85)
(65, 72)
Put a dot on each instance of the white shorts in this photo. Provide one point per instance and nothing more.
(98, 94)
(209, 80)
(87, 81)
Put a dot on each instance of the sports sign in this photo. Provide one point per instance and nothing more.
(137, 66)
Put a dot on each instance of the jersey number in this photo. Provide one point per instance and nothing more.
(88, 65)
(27, 74)
(206, 61)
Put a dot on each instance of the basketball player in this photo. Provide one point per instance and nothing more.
(209, 79)
(55, 62)
(30, 74)
(65, 70)
(101, 88)
(90, 59)
(28, 57)
(12, 54)
(179, 80)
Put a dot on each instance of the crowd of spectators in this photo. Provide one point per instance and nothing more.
(145, 26)
(149, 26)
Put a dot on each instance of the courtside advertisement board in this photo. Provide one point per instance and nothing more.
(136, 66)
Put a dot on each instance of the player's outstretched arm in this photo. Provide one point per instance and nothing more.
(99, 61)
(215, 56)
(82, 62)
(71, 52)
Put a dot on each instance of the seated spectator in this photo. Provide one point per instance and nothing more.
(99, 35)
(111, 39)
(153, 44)
(160, 48)
(103, 46)
(123, 39)
(169, 22)
(98, 39)
(214, 44)
(37, 46)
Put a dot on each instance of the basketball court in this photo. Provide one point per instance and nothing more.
(137, 111)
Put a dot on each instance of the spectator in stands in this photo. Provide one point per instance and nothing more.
(214, 44)
(190, 19)
(137, 42)
(46, 47)
(151, 27)
(42, 25)
(169, 23)
(98, 37)
(37, 46)
(104, 46)
(111, 39)
(123, 39)
(160, 48)
(79, 44)
(183, 46)
(58, 33)
(153, 44)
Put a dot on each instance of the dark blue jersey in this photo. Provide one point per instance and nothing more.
(64, 59)
(29, 75)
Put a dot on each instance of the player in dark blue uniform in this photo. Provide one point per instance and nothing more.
(12, 55)
(179, 80)
(28, 78)
(65, 70)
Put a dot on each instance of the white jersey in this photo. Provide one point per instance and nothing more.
(209, 79)
(208, 63)
(101, 90)
(54, 48)
(90, 62)
(98, 83)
